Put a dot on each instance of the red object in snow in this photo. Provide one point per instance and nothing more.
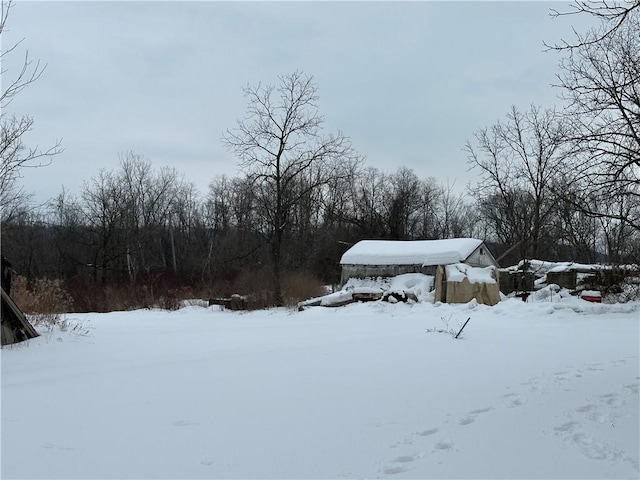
(591, 296)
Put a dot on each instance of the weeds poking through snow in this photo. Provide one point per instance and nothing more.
(454, 332)
(51, 322)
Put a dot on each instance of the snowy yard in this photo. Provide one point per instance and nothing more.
(532, 390)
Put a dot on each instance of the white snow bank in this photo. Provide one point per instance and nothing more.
(336, 298)
(547, 294)
(414, 252)
(459, 271)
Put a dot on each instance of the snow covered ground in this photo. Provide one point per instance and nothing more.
(544, 389)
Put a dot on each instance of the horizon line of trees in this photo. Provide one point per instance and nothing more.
(138, 221)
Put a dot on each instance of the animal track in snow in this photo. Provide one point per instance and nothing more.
(611, 399)
(467, 420)
(184, 423)
(575, 431)
(445, 444)
(601, 409)
(471, 416)
(480, 410)
(398, 464)
(586, 444)
(394, 470)
(514, 400)
(406, 458)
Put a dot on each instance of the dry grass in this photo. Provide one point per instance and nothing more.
(43, 302)
(300, 286)
(44, 296)
(257, 285)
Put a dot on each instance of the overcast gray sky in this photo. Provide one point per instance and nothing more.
(409, 82)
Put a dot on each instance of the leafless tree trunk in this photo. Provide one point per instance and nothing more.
(402, 203)
(279, 144)
(518, 161)
(103, 209)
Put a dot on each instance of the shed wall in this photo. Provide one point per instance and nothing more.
(374, 271)
(481, 257)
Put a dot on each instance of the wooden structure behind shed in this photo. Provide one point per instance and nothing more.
(517, 281)
(565, 279)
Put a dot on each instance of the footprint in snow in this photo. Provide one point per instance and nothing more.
(573, 433)
(610, 399)
(513, 400)
(594, 367)
(406, 458)
(472, 414)
(445, 444)
(394, 470)
(592, 412)
(400, 464)
(469, 419)
(184, 423)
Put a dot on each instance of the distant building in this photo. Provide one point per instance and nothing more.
(463, 268)
(388, 258)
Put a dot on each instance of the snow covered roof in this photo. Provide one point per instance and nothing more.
(413, 252)
(459, 271)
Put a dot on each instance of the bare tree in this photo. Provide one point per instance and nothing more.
(601, 81)
(572, 226)
(149, 198)
(614, 15)
(103, 206)
(369, 195)
(14, 154)
(339, 198)
(402, 204)
(453, 213)
(281, 146)
(518, 160)
(429, 199)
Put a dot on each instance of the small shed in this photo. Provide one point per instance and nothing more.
(461, 283)
(389, 258)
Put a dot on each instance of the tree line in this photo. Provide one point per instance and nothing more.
(553, 183)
